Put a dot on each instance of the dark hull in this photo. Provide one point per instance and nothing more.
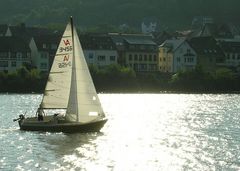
(63, 127)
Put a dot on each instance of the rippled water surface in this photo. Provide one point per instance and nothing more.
(144, 132)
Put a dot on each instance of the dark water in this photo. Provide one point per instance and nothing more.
(144, 132)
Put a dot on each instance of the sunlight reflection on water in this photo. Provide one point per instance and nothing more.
(144, 132)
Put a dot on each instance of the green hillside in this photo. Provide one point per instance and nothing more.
(88, 13)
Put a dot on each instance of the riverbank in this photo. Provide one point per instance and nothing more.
(116, 79)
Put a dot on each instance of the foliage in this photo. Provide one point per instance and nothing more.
(115, 78)
(171, 13)
(22, 80)
(196, 80)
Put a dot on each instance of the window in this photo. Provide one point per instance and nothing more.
(90, 56)
(112, 58)
(130, 57)
(44, 46)
(145, 57)
(178, 59)
(153, 67)
(19, 55)
(143, 66)
(3, 54)
(228, 56)
(3, 63)
(13, 55)
(101, 58)
(13, 64)
(25, 55)
(44, 55)
(135, 67)
(154, 58)
(140, 57)
(53, 46)
(150, 58)
(190, 59)
(43, 65)
(135, 57)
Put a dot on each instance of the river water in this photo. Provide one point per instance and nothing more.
(145, 132)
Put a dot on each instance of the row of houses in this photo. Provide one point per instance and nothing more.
(36, 47)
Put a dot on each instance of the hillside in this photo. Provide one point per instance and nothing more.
(170, 13)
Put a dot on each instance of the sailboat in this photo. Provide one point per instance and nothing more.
(70, 89)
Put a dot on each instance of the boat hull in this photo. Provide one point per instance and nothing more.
(67, 127)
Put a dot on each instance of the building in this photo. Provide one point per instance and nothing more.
(223, 31)
(98, 49)
(137, 51)
(200, 21)
(149, 25)
(176, 55)
(14, 53)
(209, 53)
(231, 49)
(3, 30)
(43, 50)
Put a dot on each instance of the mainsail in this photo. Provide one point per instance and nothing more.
(57, 90)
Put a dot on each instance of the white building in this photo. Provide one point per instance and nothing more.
(14, 53)
(176, 55)
(99, 50)
(149, 25)
(43, 49)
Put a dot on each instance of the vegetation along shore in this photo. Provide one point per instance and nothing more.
(118, 79)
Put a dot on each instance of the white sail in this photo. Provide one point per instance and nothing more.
(58, 86)
(84, 105)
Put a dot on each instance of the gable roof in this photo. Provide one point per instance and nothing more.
(48, 40)
(160, 37)
(3, 29)
(230, 46)
(137, 39)
(172, 44)
(206, 46)
(219, 30)
(96, 42)
(13, 44)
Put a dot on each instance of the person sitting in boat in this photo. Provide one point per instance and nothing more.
(40, 114)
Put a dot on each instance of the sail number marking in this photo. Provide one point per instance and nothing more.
(65, 62)
(65, 48)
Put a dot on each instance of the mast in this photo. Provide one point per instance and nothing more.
(74, 77)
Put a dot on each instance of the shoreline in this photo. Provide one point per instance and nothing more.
(139, 92)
